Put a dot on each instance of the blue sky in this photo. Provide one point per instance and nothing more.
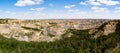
(60, 9)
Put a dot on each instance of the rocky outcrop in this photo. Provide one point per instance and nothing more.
(105, 29)
(110, 28)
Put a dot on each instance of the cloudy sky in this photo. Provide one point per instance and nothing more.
(60, 9)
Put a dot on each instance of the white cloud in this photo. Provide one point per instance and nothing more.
(100, 2)
(90, 2)
(108, 2)
(73, 10)
(83, 3)
(117, 10)
(69, 6)
(24, 15)
(28, 2)
(100, 9)
(37, 9)
(94, 8)
(77, 14)
(95, 3)
(72, 14)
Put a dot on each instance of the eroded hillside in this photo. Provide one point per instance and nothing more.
(102, 38)
(45, 30)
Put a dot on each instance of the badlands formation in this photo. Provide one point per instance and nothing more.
(50, 30)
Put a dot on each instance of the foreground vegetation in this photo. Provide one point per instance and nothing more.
(80, 42)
